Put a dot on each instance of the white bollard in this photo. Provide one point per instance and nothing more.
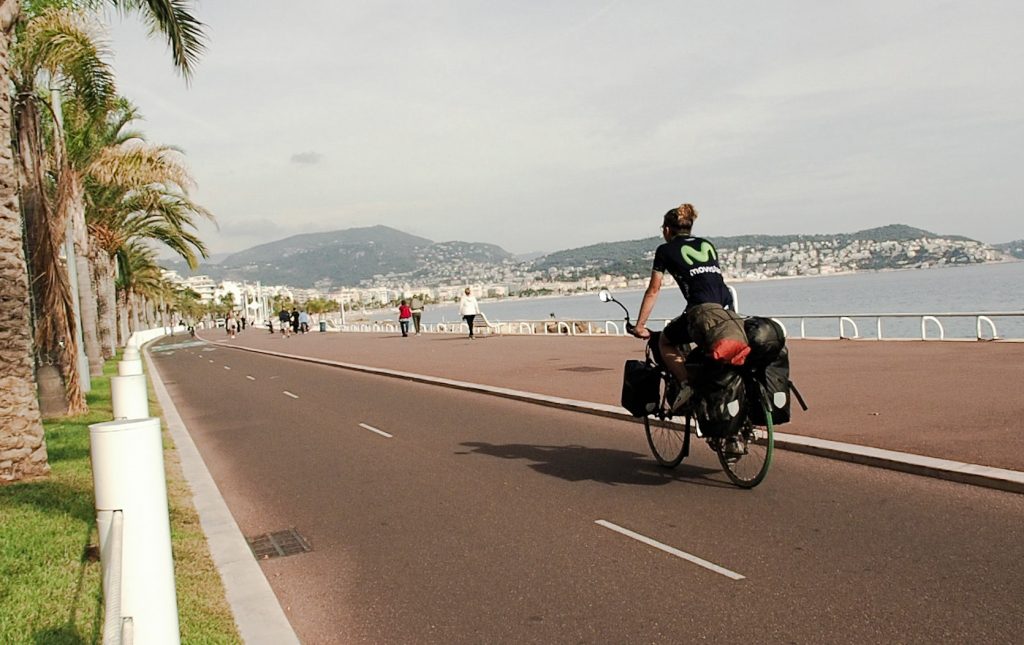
(130, 353)
(129, 396)
(130, 367)
(128, 473)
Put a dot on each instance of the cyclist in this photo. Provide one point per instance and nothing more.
(707, 320)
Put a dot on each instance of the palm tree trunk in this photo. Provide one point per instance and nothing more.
(123, 332)
(133, 307)
(102, 277)
(56, 339)
(22, 445)
(71, 207)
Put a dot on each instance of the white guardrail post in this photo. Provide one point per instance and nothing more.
(128, 474)
(924, 327)
(992, 326)
(131, 511)
(129, 396)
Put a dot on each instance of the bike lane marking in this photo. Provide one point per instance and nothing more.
(287, 393)
(372, 429)
(671, 550)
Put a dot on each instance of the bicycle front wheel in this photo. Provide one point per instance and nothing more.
(748, 469)
(666, 439)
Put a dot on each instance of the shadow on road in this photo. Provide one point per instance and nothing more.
(579, 463)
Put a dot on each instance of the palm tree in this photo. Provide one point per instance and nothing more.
(55, 46)
(21, 433)
(136, 191)
(21, 430)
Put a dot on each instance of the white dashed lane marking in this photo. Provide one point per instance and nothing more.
(251, 378)
(671, 550)
(372, 429)
(287, 393)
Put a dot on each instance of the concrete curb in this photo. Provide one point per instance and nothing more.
(257, 612)
(956, 471)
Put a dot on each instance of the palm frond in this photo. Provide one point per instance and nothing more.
(67, 46)
(137, 163)
(174, 19)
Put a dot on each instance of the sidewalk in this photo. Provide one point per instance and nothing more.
(959, 401)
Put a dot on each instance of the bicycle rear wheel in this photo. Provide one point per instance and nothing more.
(749, 469)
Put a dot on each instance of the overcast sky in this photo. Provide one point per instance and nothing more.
(547, 125)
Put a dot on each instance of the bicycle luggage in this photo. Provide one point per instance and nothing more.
(721, 401)
(766, 338)
(641, 388)
(773, 387)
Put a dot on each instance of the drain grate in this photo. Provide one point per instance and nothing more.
(278, 544)
(585, 368)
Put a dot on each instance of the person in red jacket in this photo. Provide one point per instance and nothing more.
(404, 316)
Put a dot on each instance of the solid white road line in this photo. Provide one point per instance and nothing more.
(372, 429)
(667, 549)
(251, 378)
(287, 393)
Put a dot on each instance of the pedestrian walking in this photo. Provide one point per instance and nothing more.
(295, 320)
(232, 326)
(469, 309)
(303, 321)
(417, 312)
(404, 316)
(285, 319)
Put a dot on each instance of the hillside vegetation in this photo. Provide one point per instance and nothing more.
(363, 256)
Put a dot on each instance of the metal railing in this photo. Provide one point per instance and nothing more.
(117, 629)
(983, 324)
(847, 326)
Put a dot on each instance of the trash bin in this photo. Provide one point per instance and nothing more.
(323, 325)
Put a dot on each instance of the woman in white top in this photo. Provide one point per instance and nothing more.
(468, 309)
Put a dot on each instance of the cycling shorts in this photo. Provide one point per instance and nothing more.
(677, 331)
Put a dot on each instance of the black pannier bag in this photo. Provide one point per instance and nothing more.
(641, 388)
(721, 401)
(773, 387)
(766, 339)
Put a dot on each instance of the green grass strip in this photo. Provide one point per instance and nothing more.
(50, 592)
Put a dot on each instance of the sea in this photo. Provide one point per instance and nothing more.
(992, 288)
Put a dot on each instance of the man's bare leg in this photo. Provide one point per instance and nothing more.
(675, 360)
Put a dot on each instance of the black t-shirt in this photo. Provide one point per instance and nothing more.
(693, 262)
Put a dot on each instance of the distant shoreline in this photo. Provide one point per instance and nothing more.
(483, 301)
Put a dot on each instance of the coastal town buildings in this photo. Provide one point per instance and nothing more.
(447, 281)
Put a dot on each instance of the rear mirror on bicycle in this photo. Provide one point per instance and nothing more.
(605, 295)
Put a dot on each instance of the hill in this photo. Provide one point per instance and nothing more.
(634, 257)
(346, 257)
(1014, 248)
(379, 254)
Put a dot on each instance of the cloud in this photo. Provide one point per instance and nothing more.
(308, 158)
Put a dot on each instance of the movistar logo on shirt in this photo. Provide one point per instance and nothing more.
(702, 255)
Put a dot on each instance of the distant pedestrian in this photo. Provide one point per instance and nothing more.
(232, 326)
(469, 309)
(404, 316)
(295, 320)
(243, 321)
(417, 312)
(285, 319)
(303, 321)
(270, 325)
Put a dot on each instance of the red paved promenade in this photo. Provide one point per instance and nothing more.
(962, 401)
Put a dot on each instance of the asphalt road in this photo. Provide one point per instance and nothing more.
(484, 520)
